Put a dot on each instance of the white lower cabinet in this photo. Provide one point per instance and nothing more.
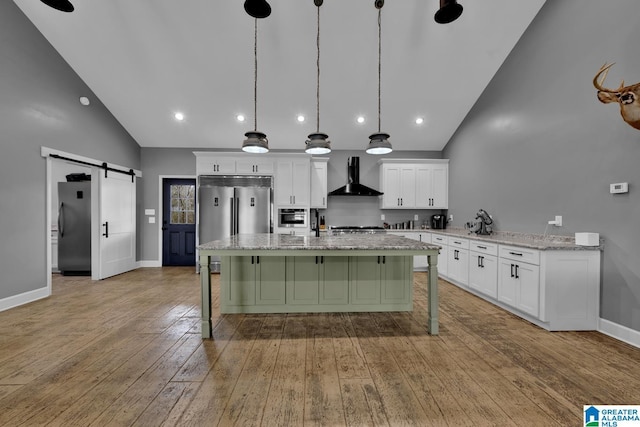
(519, 286)
(442, 241)
(483, 268)
(558, 290)
(458, 260)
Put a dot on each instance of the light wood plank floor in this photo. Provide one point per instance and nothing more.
(127, 351)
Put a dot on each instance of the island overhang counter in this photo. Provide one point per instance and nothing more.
(281, 273)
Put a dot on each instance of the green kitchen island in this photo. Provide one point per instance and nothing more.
(281, 273)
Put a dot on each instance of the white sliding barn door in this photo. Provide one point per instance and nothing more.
(117, 225)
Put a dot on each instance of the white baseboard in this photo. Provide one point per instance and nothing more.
(151, 263)
(619, 332)
(24, 298)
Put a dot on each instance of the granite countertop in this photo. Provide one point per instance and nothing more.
(268, 241)
(526, 240)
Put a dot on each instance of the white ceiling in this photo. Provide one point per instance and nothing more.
(146, 59)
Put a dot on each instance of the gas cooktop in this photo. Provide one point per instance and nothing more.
(365, 229)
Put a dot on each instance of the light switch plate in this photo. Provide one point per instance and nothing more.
(152, 220)
(149, 211)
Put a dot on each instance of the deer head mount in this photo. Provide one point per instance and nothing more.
(627, 96)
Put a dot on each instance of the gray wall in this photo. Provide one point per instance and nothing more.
(538, 143)
(39, 107)
(341, 211)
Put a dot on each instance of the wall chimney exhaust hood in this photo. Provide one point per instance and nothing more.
(353, 187)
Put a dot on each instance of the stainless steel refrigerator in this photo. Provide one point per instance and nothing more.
(74, 228)
(229, 205)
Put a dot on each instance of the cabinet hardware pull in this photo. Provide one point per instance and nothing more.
(384, 259)
(517, 273)
(482, 263)
(479, 261)
(316, 259)
(378, 259)
(322, 259)
(252, 260)
(106, 230)
(515, 253)
(512, 275)
(482, 247)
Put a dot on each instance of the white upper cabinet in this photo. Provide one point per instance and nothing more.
(414, 184)
(292, 182)
(254, 166)
(432, 189)
(319, 182)
(218, 163)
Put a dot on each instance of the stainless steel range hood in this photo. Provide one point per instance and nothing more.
(353, 187)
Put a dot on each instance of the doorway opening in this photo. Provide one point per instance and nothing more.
(112, 194)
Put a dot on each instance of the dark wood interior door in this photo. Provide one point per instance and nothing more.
(179, 221)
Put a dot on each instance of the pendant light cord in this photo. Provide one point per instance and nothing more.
(379, 62)
(255, 76)
(318, 74)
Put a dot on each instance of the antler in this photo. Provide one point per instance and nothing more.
(598, 84)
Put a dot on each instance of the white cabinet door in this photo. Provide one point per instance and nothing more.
(529, 279)
(216, 166)
(399, 186)
(390, 186)
(458, 265)
(432, 182)
(254, 166)
(519, 286)
(483, 273)
(292, 183)
(440, 186)
(319, 184)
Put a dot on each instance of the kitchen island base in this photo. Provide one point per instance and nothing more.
(315, 284)
(269, 273)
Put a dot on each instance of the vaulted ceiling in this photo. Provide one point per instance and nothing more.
(147, 59)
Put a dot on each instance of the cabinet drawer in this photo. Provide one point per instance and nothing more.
(458, 243)
(439, 239)
(483, 247)
(515, 253)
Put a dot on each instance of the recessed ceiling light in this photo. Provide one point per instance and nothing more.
(300, 118)
(84, 100)
(419, 120)
(360, 119)
(240, 118)
(179, 116)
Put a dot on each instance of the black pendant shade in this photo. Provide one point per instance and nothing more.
(257, 8)
(449, 11)
(61, 5)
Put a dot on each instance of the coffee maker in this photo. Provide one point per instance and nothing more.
(438, 221)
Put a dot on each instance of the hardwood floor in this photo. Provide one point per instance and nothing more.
(127, 351)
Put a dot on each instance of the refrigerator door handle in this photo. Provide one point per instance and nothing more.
(237, 229)
(233, 218)
(106, 229)
(61, 219)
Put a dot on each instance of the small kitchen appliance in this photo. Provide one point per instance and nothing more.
(438, 222)
(483, 225)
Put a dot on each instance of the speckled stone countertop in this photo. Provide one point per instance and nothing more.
(276, 242)
(526, 240)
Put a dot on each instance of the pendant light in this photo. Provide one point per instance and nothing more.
(318, 142)
(257, 8)
(61, 5)
(379, 142)
(449, 11)
(256, 141)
